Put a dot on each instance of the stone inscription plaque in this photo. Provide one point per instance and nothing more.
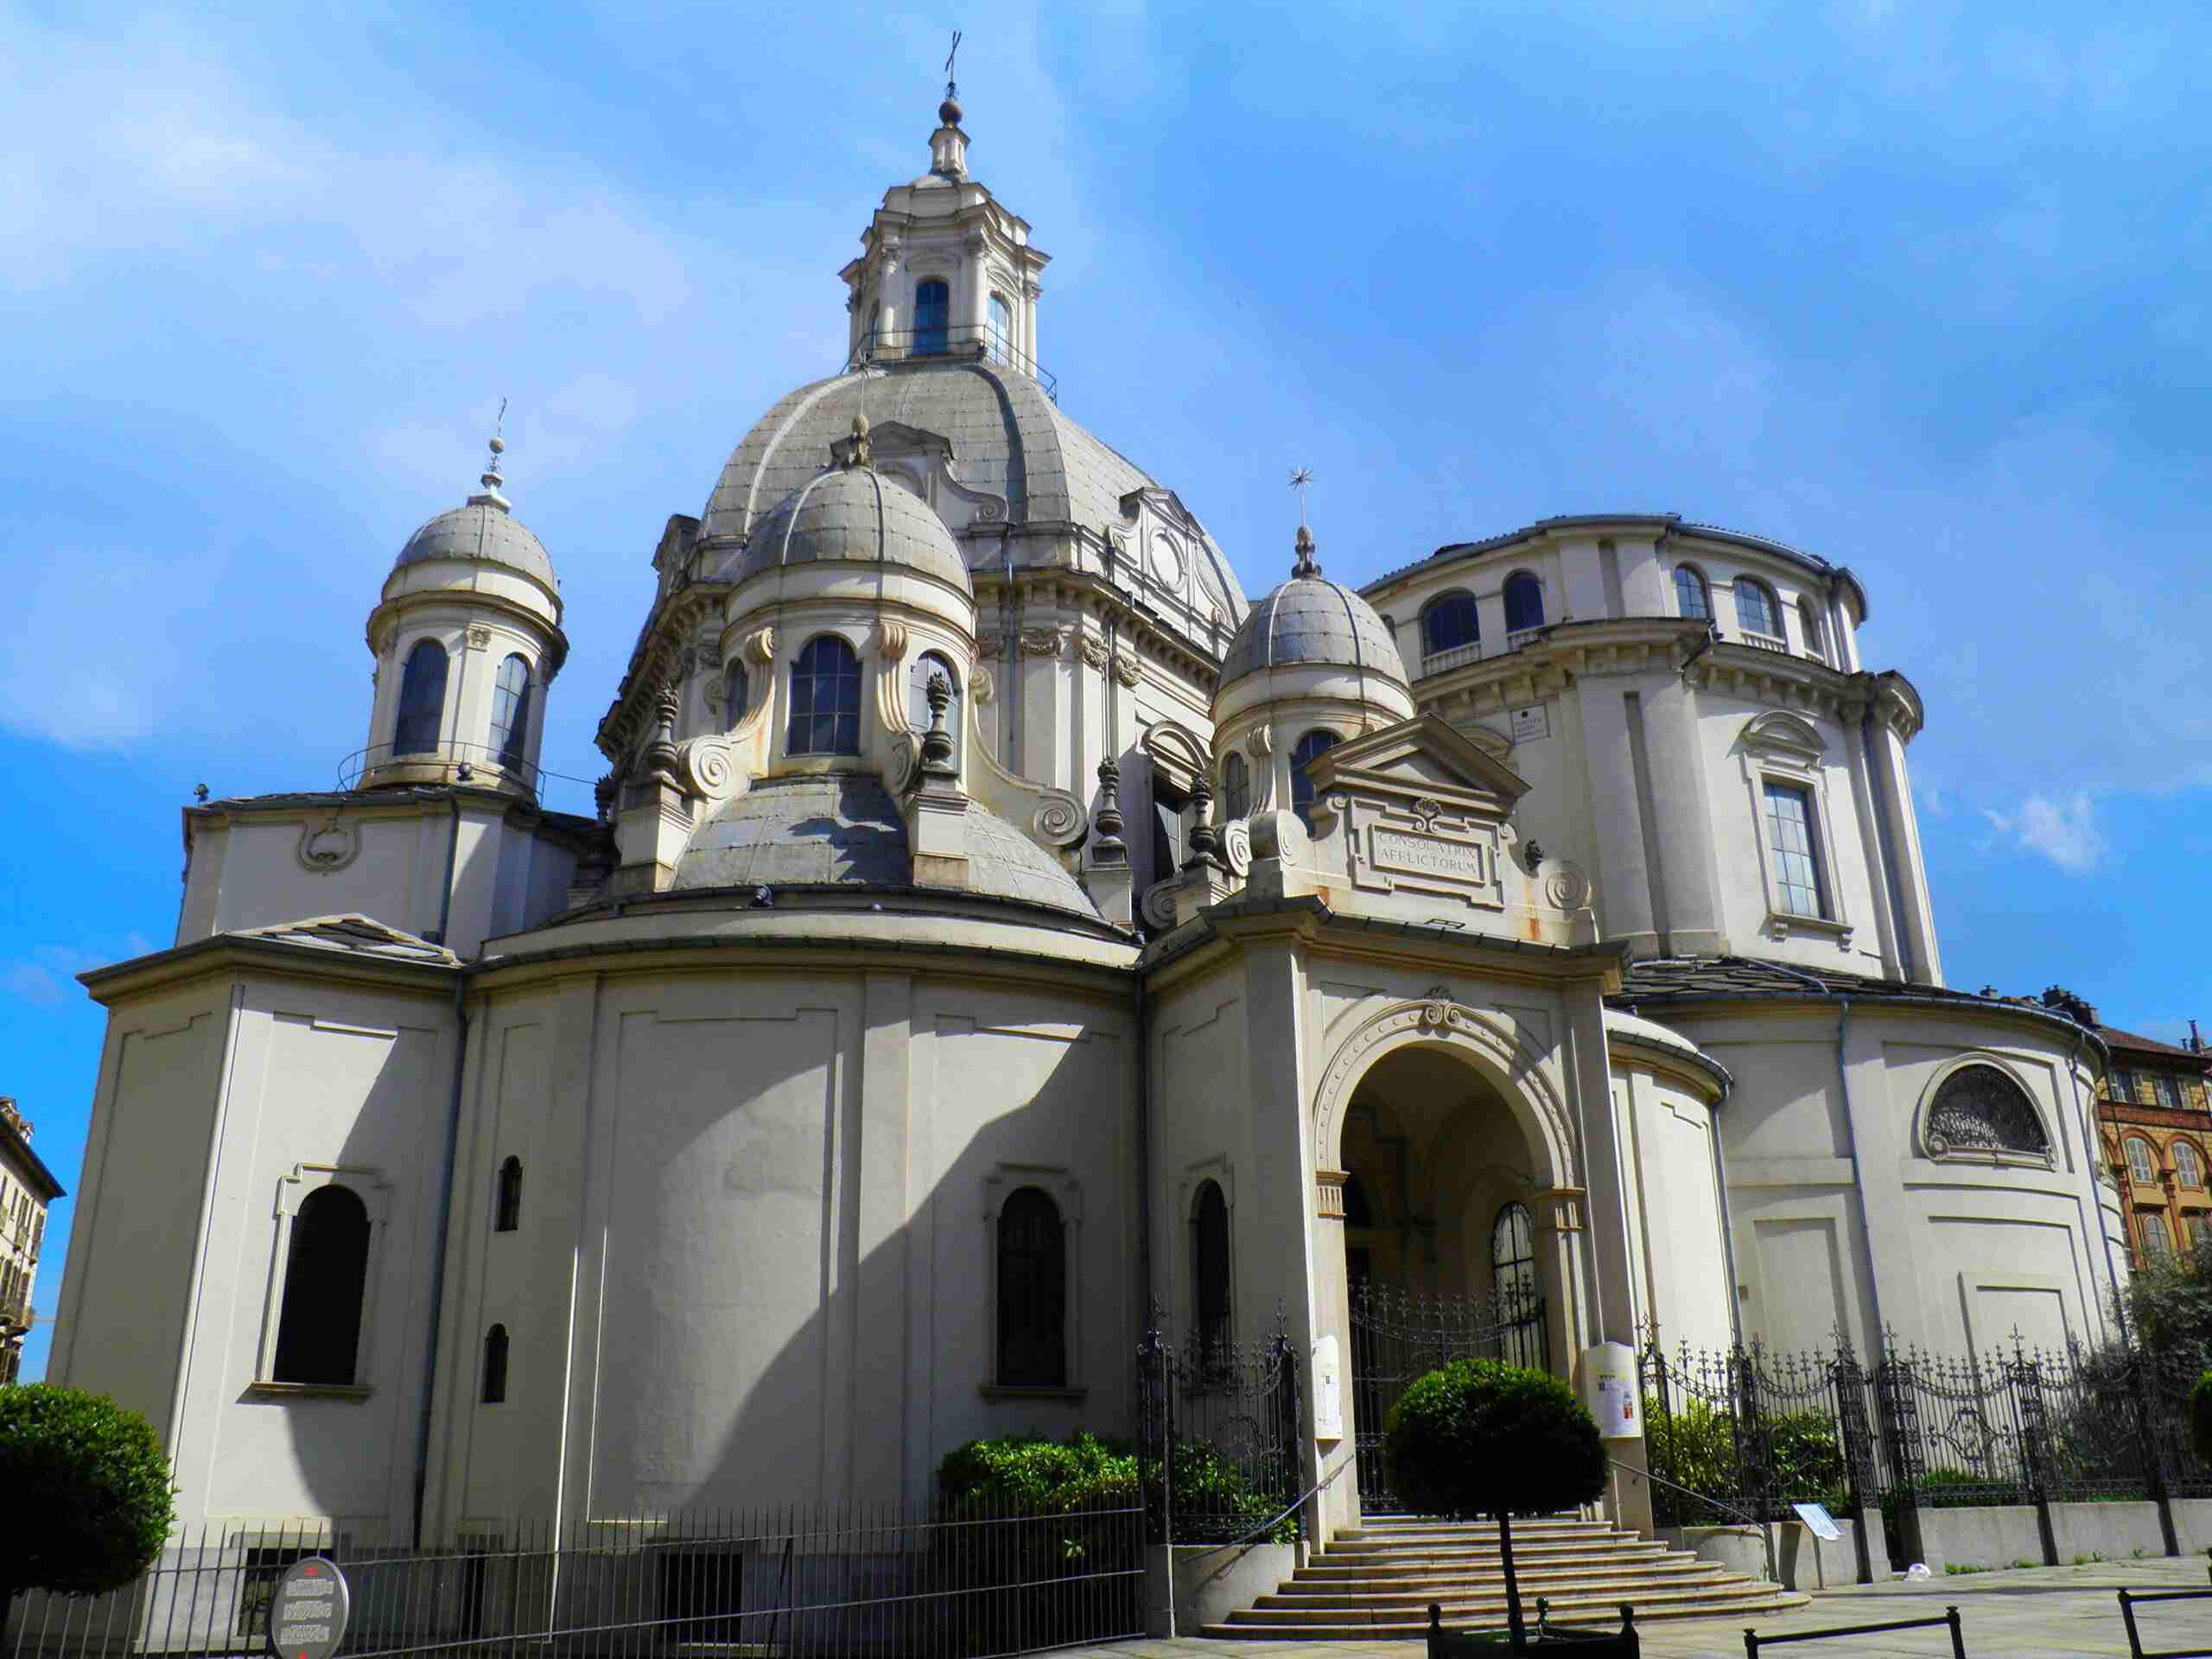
(1430, 856)
(307, 1620)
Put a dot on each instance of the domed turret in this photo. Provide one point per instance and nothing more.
(467, 636)
(1311, 664)
(851, 514)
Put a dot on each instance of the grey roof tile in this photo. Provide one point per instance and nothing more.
(1311, 619)
(480, 530)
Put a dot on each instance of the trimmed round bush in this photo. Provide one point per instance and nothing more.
(1482, 1439)
(92, 1498)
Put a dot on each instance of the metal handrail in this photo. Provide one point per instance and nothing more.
(1766, 1537)
(451, 752)
(1280, 1516)
(1753, 1640)
(955, 340)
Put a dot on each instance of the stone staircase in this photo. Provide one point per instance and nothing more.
(1377, 1580)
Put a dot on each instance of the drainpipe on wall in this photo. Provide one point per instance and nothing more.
(2093, 1151)
(453, 853)
(1728, 1224)
(438, 1249)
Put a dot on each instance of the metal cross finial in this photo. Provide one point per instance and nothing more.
(950, 88)
(1300, 478)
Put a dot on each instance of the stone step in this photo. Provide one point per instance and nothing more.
(1424, 1590)
(1355, 1625)
(1375, 1561)
(1394, 1529)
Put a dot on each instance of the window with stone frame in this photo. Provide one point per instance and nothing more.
(1791, 843)
(1032, 1291)
(1981, 1108)
(1758, 612)
(1309, 748)
(1693, 598)
(1235, 787)
(2121, 1084)
(2142, 1162)
(2169, 1088)
(2197, 1229)
(2157, 1243)
(2188, 1164)
(326, 1282)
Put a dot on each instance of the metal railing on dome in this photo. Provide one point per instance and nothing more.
(468, 763)
(955, 340)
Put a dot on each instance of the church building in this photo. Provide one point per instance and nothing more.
(995, 924)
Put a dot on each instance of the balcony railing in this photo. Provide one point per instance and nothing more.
(1436, 662)
(971, 341)
(1762, 641)
(16, 1315)
(462, 763)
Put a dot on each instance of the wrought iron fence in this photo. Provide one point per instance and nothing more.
(777, 1584)
(1750, 1430)
(1221, 1440)
(1398, 1335)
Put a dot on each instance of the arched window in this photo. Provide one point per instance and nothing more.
(825, 699)
(932, 309)
(1033, 1293)
(1314, 744)
(495, 1365)
(1513, 1282)
(421, 700)
(1524, 603)
(1692, 597)
(1980, 1108)
(1235, 787)
(736, 694)
(918, 701)
(326, 1277)
(1001, 340)
(1209, 1260)
(2188, 1164)
(2142, 1162)
(2157, 1243)
(511, 711)
(1816, 639)
(1756, 609)
(1448, 623)
(506, 1213)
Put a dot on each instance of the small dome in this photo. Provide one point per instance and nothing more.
(850, 514)
(842, 829)
(1311, 622)
(481, 531)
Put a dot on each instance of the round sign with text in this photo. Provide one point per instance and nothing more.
(308, 1618)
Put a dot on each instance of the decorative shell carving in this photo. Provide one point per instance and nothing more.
(891, 638)
(1096, 652)
(1127, 668)
(480, 637)
(1260, 742)
(1158, 906)
(1044, 642)
(990, 644)
(760, 645)
(329, 846)
(982, 687)
(904, 766)
(1061, 820)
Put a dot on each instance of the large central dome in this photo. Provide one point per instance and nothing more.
(1007, 438)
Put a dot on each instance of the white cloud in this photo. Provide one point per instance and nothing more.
(2065, 831)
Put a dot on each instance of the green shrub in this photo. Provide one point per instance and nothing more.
(1694, 1446)
(1025, 1474)
(92, 1500)
(2200, 1419)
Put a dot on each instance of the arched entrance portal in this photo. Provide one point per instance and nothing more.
(1444, 1255)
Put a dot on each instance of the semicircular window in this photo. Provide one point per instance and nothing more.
(1978, 1108)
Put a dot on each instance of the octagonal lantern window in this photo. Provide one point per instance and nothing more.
(1979, 1108)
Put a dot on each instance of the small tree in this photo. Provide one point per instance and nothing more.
(1481, 1438)
(2169, 1303)
(90, 1499)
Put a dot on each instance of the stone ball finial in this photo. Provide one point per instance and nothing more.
(948, 113)
(1307, 567)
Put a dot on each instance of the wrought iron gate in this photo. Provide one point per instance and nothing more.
(1398, 1335)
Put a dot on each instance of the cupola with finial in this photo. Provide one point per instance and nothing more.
(466, 637)
(945, 271)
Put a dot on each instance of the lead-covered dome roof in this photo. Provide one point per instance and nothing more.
(842, 829)
(1007, 436)
(852, 514)
(1310, 621)
(484, 530)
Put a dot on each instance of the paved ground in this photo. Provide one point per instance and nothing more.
(2046, 1612)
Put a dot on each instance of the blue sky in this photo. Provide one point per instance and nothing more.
(1921, 289)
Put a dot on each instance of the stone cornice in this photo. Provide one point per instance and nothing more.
(365, 805)
(234, 954)
(661, 645)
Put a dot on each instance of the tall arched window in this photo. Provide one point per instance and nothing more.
(736, 694)
(421, 700)
(1448, 623)
(2142, 1162)
(1210, 1265)
(1513, 1282)
(1001, 330)
(1756, 609)
(1524, 603)
(2188, 1164)
(2157, 1243)
(918, 701)
(1692, 597)
(511, 711)
(1235, 787)
(326, 1277)
(825, 699)
(506, 1213)
(495, 1365)
(1033, 1293)
(932, 309)
(1816, 639)
(1314, 744)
